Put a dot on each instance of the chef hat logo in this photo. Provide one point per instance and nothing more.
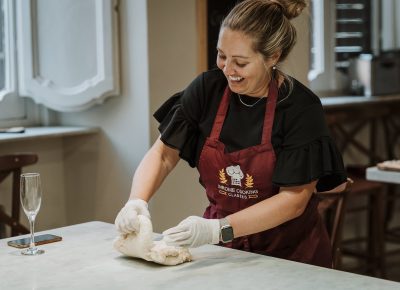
(236, 174)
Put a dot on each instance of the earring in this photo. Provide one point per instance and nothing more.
(274, 72)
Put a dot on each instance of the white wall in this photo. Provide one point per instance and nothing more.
(101, 186)
(98, 173)
(173, 61)
(298, 62)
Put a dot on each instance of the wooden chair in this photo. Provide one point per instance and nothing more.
(332, 208)
(13, 164)
(373, 253)
(347, 128)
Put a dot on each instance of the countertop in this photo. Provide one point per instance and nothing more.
(375, 174)
(85, 259)
(47, 132)
(340, 102)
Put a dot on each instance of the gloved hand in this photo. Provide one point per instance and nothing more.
(141, 245)
(193, 232)
(127, 218)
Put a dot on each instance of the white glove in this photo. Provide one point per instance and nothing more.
(141, 245)
(127, 218)
(193, 232)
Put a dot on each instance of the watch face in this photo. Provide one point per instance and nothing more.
(227, 234)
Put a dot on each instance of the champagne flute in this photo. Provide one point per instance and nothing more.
(31, 198)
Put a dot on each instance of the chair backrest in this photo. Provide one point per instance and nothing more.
(332, 208)
(13, 164)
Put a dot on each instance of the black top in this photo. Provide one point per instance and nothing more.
(304, 150)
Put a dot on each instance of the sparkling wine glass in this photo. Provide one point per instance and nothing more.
(31, 198)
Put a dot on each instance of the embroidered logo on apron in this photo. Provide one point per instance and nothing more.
(236, 175)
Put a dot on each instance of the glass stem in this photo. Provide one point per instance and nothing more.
(32, 227)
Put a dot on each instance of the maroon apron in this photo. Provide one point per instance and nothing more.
(237, 180)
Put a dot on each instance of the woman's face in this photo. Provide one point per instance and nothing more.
(247, 71)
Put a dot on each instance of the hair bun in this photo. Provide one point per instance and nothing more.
(291, 8)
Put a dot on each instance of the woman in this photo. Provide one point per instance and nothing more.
(258, 139)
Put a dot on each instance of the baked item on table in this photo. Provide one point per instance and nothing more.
(393, 165)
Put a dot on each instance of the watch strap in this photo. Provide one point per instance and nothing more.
(226, 231)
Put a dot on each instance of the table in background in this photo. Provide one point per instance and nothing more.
(392, 178)
(375, 174)
(349, 116)
(366, 131)
(85, 259)
(391, 233)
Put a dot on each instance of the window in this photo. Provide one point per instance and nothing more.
(350, 27)
(2, 52)
(12, 109)
(60, 54)
(353, 31)
(317, 57)
(322, 75)
(390, 25)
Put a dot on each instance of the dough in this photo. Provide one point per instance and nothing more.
(169, 255)
(141, 245)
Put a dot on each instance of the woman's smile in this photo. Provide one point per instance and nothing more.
(246, 70)
(234, 82)
(235, 79)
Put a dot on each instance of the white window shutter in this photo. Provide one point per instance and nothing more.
(68, 52)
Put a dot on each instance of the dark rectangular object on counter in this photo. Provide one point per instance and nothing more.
(12, 130)
(375, 75)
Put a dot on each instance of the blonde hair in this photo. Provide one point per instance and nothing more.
(267, 22)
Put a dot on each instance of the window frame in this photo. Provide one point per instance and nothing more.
(325, 79)
(10, 58)
(317, 47)
(28, 114)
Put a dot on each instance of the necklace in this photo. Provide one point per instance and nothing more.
(247, 105)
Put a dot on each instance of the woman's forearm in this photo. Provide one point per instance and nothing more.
(288, 204)
(152, 170)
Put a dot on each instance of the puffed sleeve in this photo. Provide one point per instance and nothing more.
(308, 152)
(178, 118)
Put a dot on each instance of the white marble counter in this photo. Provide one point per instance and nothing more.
(46, 132)
(375, 174)
(85, 259)
(339, 102)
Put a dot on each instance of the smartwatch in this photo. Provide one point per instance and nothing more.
(226, 231)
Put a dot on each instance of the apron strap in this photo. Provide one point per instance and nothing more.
(270, 112)
(220, 117)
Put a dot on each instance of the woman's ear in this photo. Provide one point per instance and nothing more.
(275, 57)
(273, 60)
